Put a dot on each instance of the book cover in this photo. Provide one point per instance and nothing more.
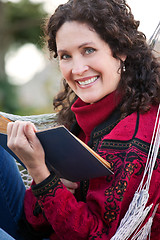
(69, 157)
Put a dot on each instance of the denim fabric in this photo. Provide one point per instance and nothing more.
(12, 192)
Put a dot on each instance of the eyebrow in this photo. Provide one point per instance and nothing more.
(80, 46)
(85, 43)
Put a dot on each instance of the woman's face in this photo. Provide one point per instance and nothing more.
(86, 62)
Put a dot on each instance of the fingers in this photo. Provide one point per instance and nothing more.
(13, 131)
(29, 131)
(23, 141)
(71, 190)
(17, 135)
(71, 186)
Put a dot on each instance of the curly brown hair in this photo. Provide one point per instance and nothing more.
(115, 24)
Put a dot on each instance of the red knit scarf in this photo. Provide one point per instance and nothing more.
(89, 116)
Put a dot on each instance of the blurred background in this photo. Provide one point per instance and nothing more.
(28, 77)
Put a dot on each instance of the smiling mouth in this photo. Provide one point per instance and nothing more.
(91, 80)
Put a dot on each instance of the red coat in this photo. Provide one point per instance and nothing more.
(96, 214)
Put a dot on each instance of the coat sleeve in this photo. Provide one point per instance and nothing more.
(34, 220)
(70, 219)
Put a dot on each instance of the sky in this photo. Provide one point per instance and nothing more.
(147, 11)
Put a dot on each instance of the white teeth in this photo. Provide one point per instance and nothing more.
(88, 81)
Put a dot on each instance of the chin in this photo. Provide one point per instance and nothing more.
(90, 101)
(91, 98)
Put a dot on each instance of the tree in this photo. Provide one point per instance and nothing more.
(20, 23)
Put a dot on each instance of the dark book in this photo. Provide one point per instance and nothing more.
(67, 155)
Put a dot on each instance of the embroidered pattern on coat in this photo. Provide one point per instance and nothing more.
(127, 160)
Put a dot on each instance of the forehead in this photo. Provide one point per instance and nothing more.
(75, 33)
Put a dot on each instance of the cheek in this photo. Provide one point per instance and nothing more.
(114, 70)
(63, 70)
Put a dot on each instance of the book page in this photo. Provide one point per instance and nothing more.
(3, 124)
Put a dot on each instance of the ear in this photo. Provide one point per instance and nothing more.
(122, 57)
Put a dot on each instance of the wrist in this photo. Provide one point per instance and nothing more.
(48, 186)
(39, 174)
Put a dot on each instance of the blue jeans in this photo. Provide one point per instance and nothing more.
(12, 192)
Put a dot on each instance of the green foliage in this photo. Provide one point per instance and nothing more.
(8, 97)
(20, 23)
(24, 21)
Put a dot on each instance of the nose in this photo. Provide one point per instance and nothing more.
(79, 67)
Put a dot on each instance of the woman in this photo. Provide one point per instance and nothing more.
(110, 99)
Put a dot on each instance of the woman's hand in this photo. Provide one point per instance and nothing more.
(71, 186)
(23, 141)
